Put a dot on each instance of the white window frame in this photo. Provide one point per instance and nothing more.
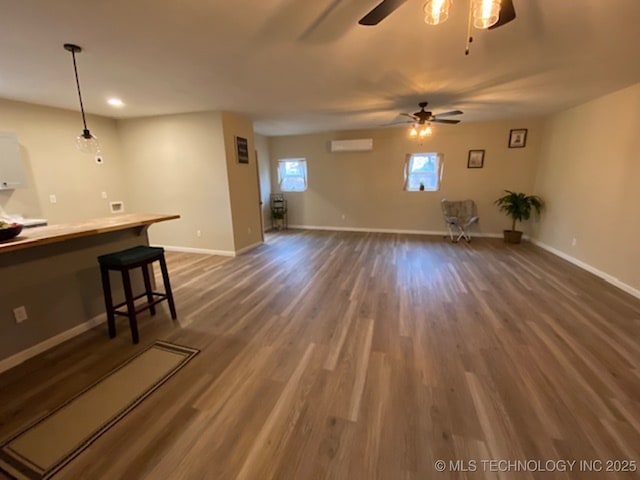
(282, 175)
(439, 158)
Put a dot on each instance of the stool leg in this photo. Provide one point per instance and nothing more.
(147, 288)
(108, 301)
(131, 310)
(167, 287)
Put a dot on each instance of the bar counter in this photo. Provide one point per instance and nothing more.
(36, 236)
(53, 272)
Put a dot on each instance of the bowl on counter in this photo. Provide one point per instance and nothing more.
(9, 231)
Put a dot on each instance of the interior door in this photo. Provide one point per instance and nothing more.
(259, 198)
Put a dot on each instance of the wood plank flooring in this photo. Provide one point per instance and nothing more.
(329, 355)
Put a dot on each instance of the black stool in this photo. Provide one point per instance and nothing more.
(123, 261)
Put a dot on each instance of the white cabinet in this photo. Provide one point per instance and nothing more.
(11, 168)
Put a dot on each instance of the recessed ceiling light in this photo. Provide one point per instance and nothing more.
(115, 102)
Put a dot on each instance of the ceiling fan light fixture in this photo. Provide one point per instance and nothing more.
(413, 132)
(485, 13)
(86, 142)
(425, 131)
(436, 11)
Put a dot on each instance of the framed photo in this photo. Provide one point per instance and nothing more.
(518, 138)
(242, 150)
(476, 159)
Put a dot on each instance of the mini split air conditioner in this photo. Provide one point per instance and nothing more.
(357, 145)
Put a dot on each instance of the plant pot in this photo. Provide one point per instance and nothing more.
(512, 236)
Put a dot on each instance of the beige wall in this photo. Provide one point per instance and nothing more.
(176, 164)
(589, 177)
(53, 165)
(264, 171)
(243, 182)
(367, 187)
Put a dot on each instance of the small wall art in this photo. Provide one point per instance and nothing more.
(242, 150)
(476, 159)
(518, 138)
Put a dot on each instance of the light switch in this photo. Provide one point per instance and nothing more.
(53, 199)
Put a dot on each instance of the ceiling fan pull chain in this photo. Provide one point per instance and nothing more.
(469, 37)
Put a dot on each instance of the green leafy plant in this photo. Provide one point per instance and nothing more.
(278, 213)
(518, 206)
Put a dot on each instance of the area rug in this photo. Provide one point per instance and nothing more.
(44, 447)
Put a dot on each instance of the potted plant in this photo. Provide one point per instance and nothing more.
(518, 206)
(278, 215)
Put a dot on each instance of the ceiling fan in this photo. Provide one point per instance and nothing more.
(423, 116)
(422, 119)
(437, 12)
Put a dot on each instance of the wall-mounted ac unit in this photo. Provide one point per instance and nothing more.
(356, 145)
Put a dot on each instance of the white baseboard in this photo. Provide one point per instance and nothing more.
(250, 247)
(205, 251)
(390, 230)
(585, 266)
(37, 349)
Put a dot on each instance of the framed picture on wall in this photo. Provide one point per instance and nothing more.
(518, 138)
(242, 150)
(476, 159)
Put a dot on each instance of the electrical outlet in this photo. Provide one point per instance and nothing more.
(249, 230)
(573, 242)
(103, 195)
(343, 216)
(198, 233)
(20, 314)
(53, 199)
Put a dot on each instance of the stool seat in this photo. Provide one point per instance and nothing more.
(123, 261)
(131, 256)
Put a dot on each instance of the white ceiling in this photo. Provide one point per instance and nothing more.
(293, 68)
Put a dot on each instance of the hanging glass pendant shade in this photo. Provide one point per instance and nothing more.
(86, 141)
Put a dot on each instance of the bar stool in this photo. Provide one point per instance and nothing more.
(124, 261)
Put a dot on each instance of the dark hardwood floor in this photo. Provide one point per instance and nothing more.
(365, 356)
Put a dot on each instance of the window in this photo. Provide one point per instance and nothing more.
(292, 174)
(423, 169)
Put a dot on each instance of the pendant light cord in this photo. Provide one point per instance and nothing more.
(75, 69)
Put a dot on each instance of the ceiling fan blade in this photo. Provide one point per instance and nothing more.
(410, 116)
(448, 114)
(404, 122)
(380, 12)
(444, 120)
(507, 13)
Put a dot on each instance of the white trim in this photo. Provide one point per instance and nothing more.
(250, 247)
(206, 251)
(390, 230)
(585, 266)
(24, 355)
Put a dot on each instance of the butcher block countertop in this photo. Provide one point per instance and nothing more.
(33, 237)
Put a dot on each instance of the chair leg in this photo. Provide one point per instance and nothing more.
(147, 288)
(131, 310)
(167, 287)
(450, 232)
(108, 301)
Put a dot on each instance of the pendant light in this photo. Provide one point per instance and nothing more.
(86, 142)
